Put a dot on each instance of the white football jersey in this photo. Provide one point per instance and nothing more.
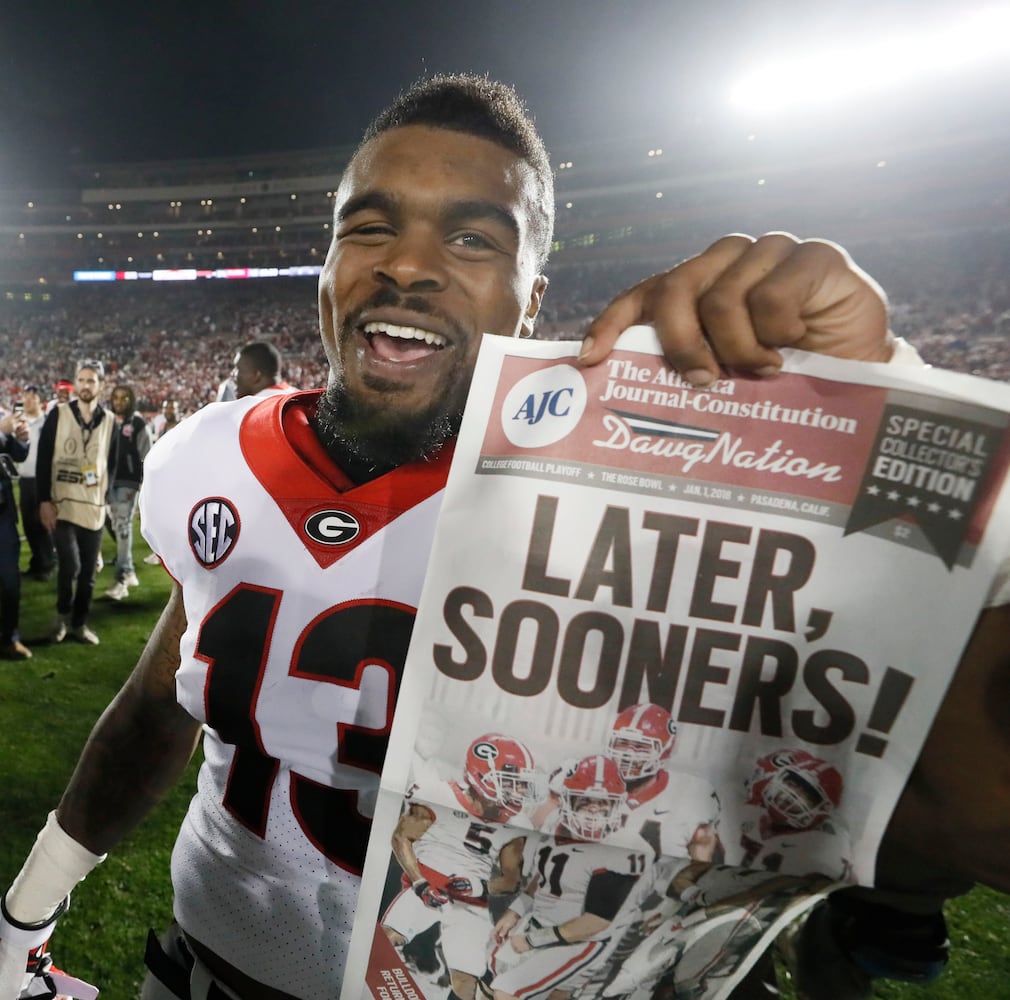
(457, 842)
(300, 596)
(567, 870)
(825, 849)
(667, 810)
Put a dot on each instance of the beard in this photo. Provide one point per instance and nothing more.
(369, 437)
(368, 440)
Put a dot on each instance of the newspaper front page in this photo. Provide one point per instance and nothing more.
(676, 654)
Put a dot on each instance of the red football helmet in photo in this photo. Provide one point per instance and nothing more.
(593, 797)
(797, 789)
(501, 770)
(641, 739)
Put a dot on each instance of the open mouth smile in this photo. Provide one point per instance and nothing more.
(400, 344)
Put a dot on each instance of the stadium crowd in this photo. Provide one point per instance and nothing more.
(949, 294)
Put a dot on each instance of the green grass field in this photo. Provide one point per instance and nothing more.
(47, 707)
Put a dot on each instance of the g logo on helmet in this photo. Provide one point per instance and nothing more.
(332, 527)
(485, 751)
(213, 531)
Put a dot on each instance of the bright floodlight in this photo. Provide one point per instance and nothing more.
(828, 76)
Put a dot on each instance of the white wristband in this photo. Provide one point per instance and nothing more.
(544, 937)
(55, 865)
(904, 354)
(28, 936)
(522, 904)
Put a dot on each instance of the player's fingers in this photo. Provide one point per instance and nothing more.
(818, 299)
(726, 308)
(675, 309)
(624, 311)
(669, 301)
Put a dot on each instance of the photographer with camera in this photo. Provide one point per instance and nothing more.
(72, 472)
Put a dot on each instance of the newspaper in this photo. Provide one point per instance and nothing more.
(674, 660)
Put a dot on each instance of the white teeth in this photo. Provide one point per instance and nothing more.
(406, 333)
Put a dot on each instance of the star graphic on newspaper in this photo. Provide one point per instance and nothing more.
(740, 498)
(672, 487)
(873, 490)
(933, 507)
(591, 475)
(894, 495)
(954, 514)
(913, 501)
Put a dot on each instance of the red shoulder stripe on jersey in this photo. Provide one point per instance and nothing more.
(463, 798)
(284, 454)
(654, 787)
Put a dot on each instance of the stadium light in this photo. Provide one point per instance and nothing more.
(885, 64)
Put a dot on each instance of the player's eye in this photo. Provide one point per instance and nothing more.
(365, 232)
(471, 240)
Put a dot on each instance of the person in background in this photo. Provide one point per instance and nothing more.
(257, 371)
(166, 420)
(13, 448)
(62, 391)
(40, 541)
(130, 444)
(225, 390)
(73, 478)
(160, 426)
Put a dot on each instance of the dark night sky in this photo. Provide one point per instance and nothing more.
(130, 81)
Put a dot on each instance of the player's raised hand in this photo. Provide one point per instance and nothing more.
(503, 926)
(742, 298)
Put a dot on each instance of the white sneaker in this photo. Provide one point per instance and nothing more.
(117, 591)
(59, 629)
(100, 565)
(82, 633)
(131, 579)
(151, 559)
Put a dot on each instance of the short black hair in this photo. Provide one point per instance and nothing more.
(265, 358)
(489, 109)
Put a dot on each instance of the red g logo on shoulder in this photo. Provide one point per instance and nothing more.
(213, 530)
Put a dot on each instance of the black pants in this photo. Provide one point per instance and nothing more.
(39, 540)
(10, 577)
(77, 551)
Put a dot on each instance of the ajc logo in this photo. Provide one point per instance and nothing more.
(544, 407)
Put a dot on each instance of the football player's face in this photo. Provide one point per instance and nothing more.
(246, 375)
(796, 802)
(585, 805)
(432, 248)
(631, 755)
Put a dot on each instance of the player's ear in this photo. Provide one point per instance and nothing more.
(533, 305)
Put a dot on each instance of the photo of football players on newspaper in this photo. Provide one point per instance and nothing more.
(649, 729)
